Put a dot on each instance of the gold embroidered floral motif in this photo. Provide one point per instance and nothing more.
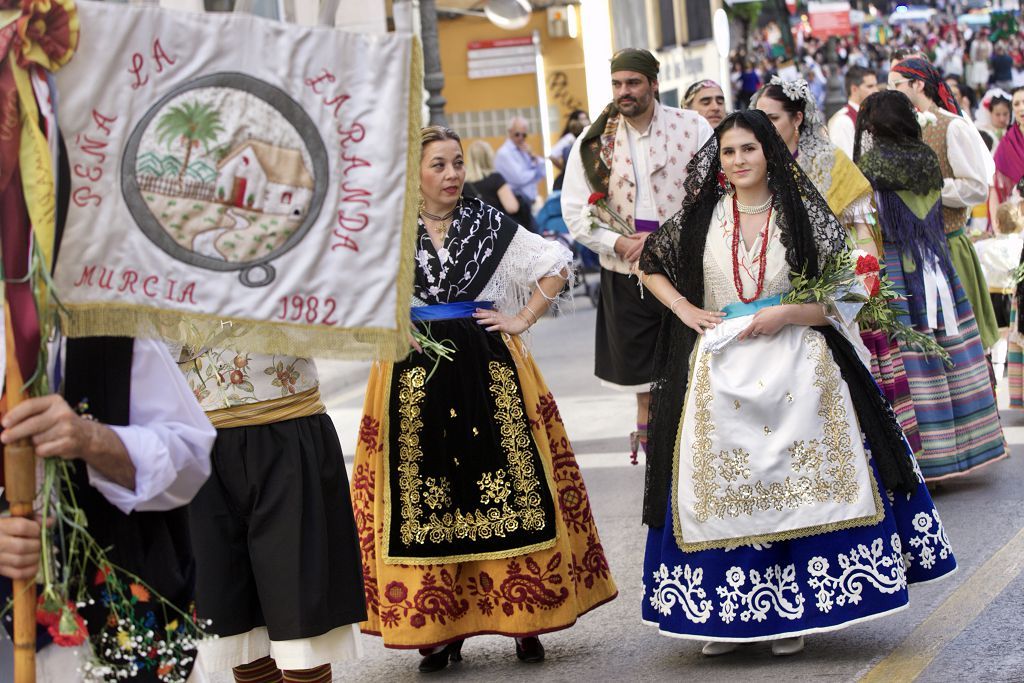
(437, 493)
(497, 521)
(736, 404)
(494, 488)
(789, 397)
(827, 467)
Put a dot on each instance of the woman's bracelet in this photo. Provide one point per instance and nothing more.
(672, 306)
(524, 319)
(532, 312)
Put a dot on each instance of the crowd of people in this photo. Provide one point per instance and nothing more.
(781, 501)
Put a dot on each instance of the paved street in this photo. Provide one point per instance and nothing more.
(976, 635)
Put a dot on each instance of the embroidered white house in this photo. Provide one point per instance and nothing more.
(259, 176)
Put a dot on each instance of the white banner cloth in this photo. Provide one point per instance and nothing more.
(237, 177)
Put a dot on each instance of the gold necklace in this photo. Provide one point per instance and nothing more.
(441, 229)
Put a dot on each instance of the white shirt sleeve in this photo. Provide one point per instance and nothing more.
(704, 132)
(841, 132)
(575, 193)
(168, 436)
(970, 162)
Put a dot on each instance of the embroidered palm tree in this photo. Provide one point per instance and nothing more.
(192, 124)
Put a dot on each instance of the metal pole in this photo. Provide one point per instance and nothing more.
(433, 78)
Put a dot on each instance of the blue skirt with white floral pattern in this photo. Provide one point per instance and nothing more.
(788, 588)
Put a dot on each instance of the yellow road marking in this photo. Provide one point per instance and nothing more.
(963, 606)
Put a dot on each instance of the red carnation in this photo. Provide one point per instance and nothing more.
(866, 264)
(47, 611)
(70, 630)
(595, 197)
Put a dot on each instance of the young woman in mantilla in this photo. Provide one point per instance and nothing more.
(782, 498)
(472, 513)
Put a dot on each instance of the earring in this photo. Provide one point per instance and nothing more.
(768, 178)
(723, 182)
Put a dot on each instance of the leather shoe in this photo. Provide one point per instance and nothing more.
(437, 660)
(787, 646)
(529, 650)
(715, 648)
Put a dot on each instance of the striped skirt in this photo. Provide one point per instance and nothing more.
(1015, 359)
(888, 371)
(955, 406)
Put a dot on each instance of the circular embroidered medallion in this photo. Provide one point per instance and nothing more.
(226, 172)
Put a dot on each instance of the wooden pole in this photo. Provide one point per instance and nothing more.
(20, 490)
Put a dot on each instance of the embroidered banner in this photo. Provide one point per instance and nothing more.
(239, 181)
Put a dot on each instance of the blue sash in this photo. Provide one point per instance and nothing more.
(739, 309)
(459, 309)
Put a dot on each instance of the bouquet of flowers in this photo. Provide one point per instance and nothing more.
(599, 200)
(855, 277)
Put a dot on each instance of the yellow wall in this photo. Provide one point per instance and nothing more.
(561, 56)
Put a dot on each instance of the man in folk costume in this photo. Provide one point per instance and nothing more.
(628, 169)
(138, 461)
(967, 168)
(860, 83)
(278, 571)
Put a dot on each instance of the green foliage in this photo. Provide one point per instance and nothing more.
(838, 283)
(189, 122)
(746, 13)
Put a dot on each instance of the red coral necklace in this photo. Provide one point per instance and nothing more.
(761, 259)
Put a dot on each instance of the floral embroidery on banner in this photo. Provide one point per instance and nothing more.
(764, 595)
(861, 565)
(929, 541)
(681, 586)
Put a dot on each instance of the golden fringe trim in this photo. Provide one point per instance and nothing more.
(407, 265)
(252, 336)
(519, 355)
(347, 343)
(790, 535)
(302, 404)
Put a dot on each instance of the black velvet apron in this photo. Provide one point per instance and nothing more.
(465, 478)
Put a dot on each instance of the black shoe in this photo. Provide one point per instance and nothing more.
(452, 652)
(529, 650)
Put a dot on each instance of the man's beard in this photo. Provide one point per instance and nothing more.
(631, 107)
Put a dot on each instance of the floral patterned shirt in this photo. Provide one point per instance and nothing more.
(221, 378)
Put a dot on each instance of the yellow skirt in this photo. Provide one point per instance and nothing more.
(426, 605)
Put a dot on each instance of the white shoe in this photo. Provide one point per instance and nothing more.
(714, 648)
(787, 646)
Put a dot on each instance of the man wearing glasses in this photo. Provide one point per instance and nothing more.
(516, 162)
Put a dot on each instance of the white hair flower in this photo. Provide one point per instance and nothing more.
(794, 90)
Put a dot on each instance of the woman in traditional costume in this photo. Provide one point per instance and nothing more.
(955, 406)
(790, 106)
(471, 510)
(1009, 158)
(771, 517)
